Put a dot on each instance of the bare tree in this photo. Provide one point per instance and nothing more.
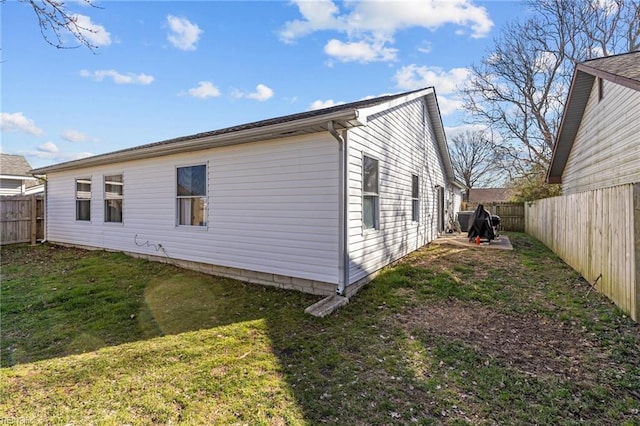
(520, 87)
(474, 158)
(56, 21)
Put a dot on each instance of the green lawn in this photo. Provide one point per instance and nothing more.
(448, 336)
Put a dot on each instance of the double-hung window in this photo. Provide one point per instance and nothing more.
(83, 199)
(370, 193)
(191, 195)
(113, 195)
(415, 198)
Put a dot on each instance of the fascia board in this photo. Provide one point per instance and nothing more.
(206, 142)
(17, 177)
(366, 112)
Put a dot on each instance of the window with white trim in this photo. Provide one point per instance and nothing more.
(191, 195)
(83, 199)
(415, 198)
(370, 193)
(113, 198)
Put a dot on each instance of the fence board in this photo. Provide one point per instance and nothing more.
(596, 233)
(21, 219)
(511, 214)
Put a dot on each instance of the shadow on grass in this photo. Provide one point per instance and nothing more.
(234, 352)
(58, 301)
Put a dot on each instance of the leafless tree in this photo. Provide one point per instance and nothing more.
(56, 22)
(520, 87)
(474, 158)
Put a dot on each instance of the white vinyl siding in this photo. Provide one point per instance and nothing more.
(272, 207)
(606, 149)
(404, 144)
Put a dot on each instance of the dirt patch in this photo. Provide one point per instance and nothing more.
(533, 345)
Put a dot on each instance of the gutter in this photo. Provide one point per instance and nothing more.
(343, 252)
(197, 142)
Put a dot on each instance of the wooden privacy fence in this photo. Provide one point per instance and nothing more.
(21, 219)
(511, 213)
(598, 234)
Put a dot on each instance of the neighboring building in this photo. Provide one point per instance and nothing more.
(489, 195)
(598, 144)
(595, 225)
(317, 201)
(15, 176)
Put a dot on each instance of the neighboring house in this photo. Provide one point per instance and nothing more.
(595, 225)
(489, 195)
(598, 144)
(15, 176)
(318, 201)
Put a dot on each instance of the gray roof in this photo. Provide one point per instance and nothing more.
(620, 69)
(343, 116)
(14, 165)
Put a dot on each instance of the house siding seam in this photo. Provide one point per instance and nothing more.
(403, 141)
(605, 152)
(272, 209)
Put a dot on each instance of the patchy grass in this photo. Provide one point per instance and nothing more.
(448, 336)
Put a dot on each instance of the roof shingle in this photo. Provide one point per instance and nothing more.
(14, 165)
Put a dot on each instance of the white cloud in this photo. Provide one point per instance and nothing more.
(361, 51)
(318, 15)
(374, 23)
(50, 151)
(76, 136)
(319, 104)
(118, 78)
(425, 47)
(446, 83)
(545, 62)
(49, 148)
(413, 77)
(462, 128)
(204, 90)
(449, 104)
(94, 33)
(262, 93)
(183, 34)
(17, 122)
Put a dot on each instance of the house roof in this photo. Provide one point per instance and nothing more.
(620, 69)
(485, 195)
(15, 166)
(343, 116)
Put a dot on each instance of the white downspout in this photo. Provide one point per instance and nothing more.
(343, 252)
(45, 199)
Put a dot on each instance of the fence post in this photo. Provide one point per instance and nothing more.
(34, 220)
(636, 222)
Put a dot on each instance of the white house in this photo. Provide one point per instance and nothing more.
(317, 201)
(15, 178)
(595, 225)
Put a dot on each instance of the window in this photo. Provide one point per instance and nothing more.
(370, 194)
(415, 198)
(83, 199)
(191, 194)
(113, 194)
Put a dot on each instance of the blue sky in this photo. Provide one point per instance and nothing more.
(165, 69)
